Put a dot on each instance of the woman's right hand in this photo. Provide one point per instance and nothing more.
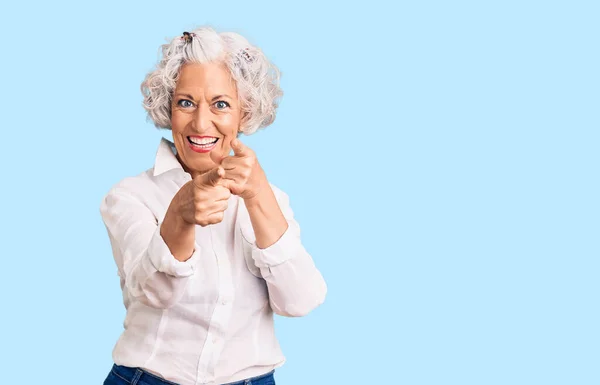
(203, 200)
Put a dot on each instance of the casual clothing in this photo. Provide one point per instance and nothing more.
(208, 320)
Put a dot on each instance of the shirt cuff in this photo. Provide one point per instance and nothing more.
(163, 261)
(283, 249)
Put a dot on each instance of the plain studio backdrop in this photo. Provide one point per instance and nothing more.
(441, 159)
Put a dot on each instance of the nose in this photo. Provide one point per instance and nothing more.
(202, 121)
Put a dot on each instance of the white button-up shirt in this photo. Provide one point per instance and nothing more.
(208, 320)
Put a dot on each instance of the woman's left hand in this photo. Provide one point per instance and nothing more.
(243, 174)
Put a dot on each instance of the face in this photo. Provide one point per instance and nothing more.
(205, 115)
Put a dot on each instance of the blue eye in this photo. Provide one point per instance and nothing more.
(185, 103)
(221, 105)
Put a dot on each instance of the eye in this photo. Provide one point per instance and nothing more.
(185, 103)
(221, 104)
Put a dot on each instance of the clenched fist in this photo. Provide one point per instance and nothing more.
(203, 200)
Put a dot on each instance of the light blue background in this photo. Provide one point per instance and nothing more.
(441, 158)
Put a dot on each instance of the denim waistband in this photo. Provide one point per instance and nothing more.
(134, 375)
(251, 379)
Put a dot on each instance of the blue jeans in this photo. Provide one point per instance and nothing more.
(123, 375)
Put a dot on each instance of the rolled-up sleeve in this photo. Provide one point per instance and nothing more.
(295, 285)
(149, 270)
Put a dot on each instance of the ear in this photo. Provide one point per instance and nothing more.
(239, 131)
(243, 121)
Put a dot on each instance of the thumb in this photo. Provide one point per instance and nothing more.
(212, 177)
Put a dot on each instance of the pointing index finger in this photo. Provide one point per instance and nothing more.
(239, 149)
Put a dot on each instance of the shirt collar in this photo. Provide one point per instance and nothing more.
(166, 157)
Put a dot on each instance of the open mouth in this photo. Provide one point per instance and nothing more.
(202, 144)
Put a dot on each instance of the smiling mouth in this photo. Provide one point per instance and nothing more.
(202, 143)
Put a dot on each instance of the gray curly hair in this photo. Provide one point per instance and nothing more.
(257, 79)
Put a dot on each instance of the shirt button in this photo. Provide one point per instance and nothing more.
(215, 339)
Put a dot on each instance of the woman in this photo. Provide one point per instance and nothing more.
(206, 248)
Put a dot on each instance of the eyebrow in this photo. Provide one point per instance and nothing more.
(213, 99)
(220, 97)
(185, 95)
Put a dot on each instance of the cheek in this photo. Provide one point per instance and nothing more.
(228, 126)
(178, 121)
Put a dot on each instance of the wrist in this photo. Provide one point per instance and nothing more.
(178, 235)
(260, 191)
(174, 219)
(178, 223)
(254, 200)
(258, 196)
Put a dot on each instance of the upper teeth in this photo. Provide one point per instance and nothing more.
(202, 140)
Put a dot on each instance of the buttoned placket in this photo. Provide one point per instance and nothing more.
(215, 338)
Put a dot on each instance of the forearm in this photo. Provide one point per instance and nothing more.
(267, 219)
(179, 235)
(295, 284)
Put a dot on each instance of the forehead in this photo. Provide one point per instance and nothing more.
(211, 77)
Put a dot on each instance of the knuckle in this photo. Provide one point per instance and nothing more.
(199, 194)
(220, 192)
